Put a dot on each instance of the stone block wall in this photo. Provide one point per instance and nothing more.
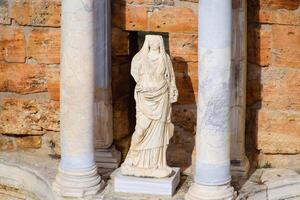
(273, 87)
(29, 75)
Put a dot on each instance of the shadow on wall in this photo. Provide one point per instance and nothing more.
(126, 41)
(257, 55)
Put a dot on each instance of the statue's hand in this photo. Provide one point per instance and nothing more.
(173, 95)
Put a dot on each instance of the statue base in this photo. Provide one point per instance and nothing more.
(154, 186)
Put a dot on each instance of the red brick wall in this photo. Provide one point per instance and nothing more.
(273, 90)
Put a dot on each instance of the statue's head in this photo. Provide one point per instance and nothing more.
(155, 42)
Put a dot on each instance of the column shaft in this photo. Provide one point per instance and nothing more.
(212, 174)
(77, 176)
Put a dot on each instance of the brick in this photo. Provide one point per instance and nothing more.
(184, 46)
(120, 42)
(259, 46)
(12, 44)
(53, 82)
(22, 78)
(274, 12)
(174, 19)
(4, 12)
(28, 117)
(285, 48)
(280, 4)
(29, 142)
(278, 131)
(131, 18)
(44, 45)
(37, 12)
(274, 87)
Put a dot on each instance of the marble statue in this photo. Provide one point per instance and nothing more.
(155, 91)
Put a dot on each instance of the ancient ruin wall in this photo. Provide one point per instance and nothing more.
(273, 87)
(29, 74)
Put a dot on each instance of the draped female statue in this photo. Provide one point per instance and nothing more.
(155, 91)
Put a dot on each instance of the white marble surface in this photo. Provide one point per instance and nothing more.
(155, 186)
(77, 174)
(154, 93)
(212, 168)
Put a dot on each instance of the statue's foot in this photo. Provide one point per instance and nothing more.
(162, 172)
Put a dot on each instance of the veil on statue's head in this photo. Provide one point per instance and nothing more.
(142, 54)
(146, 46)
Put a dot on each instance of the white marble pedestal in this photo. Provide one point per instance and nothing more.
(131, 184)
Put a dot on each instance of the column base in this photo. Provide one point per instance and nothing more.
(77, 184)
(109, 158)
(204, 192)
(240, 168)
(239, 171)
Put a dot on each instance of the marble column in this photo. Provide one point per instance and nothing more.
(77, 174)
(239, 161)
(106, 155)
(212, 174)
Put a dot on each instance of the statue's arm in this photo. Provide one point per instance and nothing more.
(135, 69)
(173, 88)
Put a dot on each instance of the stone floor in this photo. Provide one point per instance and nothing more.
(264, 184)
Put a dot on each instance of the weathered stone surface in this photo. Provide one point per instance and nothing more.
(278, 131)
(120, 42)
(275, 4)
(281, 16)
(267, 184)
(29, 142)
(285, 48)
(12, 44)
(184, 117)
(44, 45)
(290, 161)
(274, 87)
(259, 45)
(28, 117)
(184, 46)
(174, 19)
(22, 78)
(51, 143)
(129, 17)
(53, 76)
(37, 12)
(6, 143)
(4, 12)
